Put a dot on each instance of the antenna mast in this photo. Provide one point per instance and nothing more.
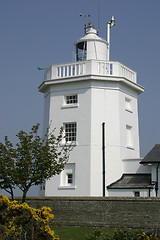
(110, 24)
(98, 16)
(85, 24)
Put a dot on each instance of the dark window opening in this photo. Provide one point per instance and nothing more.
(70, 132)
(70, 178)
(137, 194)
(81, 51)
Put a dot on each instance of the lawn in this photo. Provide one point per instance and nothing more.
(78, 233)
(72, 233)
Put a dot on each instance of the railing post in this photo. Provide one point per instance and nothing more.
(75, 73)
(60, 70)
(67, 73)
(71, 71)
(63, 73)
(78, 69)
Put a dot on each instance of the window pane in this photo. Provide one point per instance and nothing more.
(81, 51)
(71, 99)
(70, 132)
(70, 178)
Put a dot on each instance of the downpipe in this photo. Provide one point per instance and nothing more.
(156, 185)
(103, 157)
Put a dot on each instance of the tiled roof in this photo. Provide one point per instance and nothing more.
(153, 156)
(130, 181)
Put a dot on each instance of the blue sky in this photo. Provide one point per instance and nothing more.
(42, 32)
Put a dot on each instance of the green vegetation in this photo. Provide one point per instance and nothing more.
(72, 233)
(115, 234)
(32, 161)
(88, 233)
(81, 233)
(19, 221)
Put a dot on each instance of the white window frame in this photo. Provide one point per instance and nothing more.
(70, 101)
(70, 132)
(129, 136)
(128, 104)
(69, 169)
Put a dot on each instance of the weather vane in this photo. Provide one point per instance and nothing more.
(44, 69)
(85, 17)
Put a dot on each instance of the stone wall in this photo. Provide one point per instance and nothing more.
(97, 211)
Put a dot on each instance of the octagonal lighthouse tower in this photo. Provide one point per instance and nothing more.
(96, 102)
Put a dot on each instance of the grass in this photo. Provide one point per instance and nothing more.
(72, 233)
(78, 233)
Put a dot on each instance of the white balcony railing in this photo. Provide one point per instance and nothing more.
(93, 67)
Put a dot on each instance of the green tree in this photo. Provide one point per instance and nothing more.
(7, 167)
(32, 161)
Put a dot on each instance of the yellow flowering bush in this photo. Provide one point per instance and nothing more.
(17, 220)
(122, 234)
(153, 236)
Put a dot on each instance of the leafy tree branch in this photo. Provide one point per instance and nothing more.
(33, 160)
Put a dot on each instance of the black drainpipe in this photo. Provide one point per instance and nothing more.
(156, 185)
(149, 192)
(103, 156)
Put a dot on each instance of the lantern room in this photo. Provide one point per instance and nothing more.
(91, 46)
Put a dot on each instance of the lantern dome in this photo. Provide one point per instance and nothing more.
(91, 46)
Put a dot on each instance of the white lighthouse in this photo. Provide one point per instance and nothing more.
(95, 99)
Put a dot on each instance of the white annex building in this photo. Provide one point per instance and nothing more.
(96, 100)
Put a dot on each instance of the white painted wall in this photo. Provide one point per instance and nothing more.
(128, 192)
(155, 176)
(81, 153)
(134, 166)
(102, 88)
(98, 102)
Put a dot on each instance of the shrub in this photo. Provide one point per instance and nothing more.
(117, 234)
(121, 234)
(96, 234)
(152, 236)
(17, 220)
(124, 234)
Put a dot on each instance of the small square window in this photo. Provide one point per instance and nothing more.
(71, 99)
(137, 194)
(67, 176)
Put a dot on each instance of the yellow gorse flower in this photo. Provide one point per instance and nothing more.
(16, 216)
(143, 236)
